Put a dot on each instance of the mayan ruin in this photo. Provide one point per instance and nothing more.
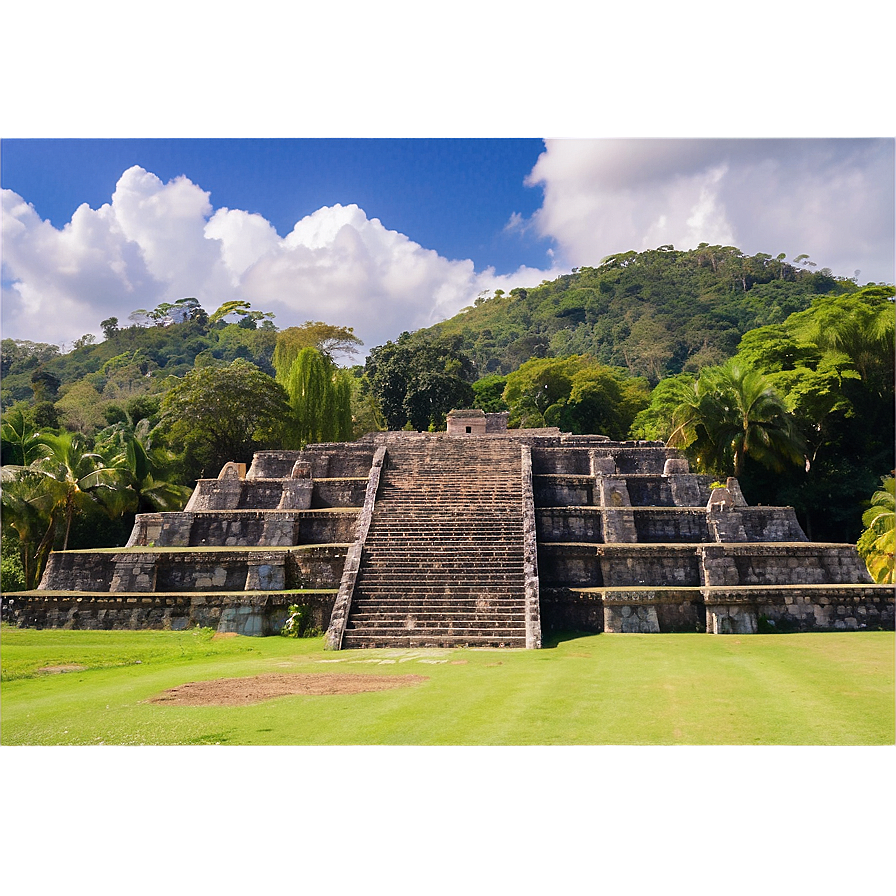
(479, 536)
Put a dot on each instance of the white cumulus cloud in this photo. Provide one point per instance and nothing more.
(158, 241)
(831, 199)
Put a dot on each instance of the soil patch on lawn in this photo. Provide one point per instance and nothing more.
(56, 670)
(243, 691)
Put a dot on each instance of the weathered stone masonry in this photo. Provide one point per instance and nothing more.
(479, 536)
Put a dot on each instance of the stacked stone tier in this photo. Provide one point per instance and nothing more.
(186, 570)
(442, 563)
(245, 528)
(244, 612)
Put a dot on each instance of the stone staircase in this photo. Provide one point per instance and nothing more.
(442, 564)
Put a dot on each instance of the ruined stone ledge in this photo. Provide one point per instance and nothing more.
(242, 612)
(783, 594)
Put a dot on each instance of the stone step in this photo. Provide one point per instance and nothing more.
(409, 621)
(444, 628)
(357, 641)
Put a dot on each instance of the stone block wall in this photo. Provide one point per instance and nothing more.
(569, 564)
(319, 566)
(658, 565)
(670, 525)
(563, 491)
(245, 528)
(771, 524)
(327, 461)
(566, 610)
(68, 572)
(570, 461)
(797, 563)
(239, 612)
(826, 609)
(344, 492)
(569, 524)
(650, 491)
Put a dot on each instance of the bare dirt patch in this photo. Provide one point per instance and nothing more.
(56, 670)
(220, 636)
(244, 691)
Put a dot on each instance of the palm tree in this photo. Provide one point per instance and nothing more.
(21, 443)
(128, 448)
(70, 478)
(877, 544)
(731, 413)
(35, 530)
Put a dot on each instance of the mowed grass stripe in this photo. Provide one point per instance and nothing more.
(591, 689)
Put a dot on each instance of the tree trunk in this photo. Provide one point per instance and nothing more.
(69, 513)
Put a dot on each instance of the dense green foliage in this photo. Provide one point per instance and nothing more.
(319, 397)
(877, 544)
(132, 361)
(655, 313)
(418, 379)
(732, 413)
(220, 414)
(832, 366)
(577, 394)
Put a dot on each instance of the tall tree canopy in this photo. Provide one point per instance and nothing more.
(418, 379)
(320, 396)
(328, 339)
(656, 313)
(732, 412)
(220, 414)
(577, 393)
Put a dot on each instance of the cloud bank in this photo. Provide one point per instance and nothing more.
(160, 241)
(831, 199)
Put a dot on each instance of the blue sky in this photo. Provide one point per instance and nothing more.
(652, 136)
(452, 195)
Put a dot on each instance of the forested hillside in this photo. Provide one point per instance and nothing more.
(655, 313)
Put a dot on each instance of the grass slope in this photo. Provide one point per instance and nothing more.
(595, 689)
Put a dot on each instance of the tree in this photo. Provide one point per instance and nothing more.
(328, 339)
(861, 326)
(536, 386)
(242, 308)
(220, 414)
(487, 393)
(44, 385)
(320, 396)
(877, 545)
(110, 327)
(46, 494)
(129, 449)
(420, 375)
(602, 400)
(21, 442)
(433, 395)
(655, 421)
(577, 393)
(732, 412)
(81, 407)
(832, 364)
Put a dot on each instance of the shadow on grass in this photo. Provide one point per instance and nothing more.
(554, 639)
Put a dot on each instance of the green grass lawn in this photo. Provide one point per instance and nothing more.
(835, 688)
